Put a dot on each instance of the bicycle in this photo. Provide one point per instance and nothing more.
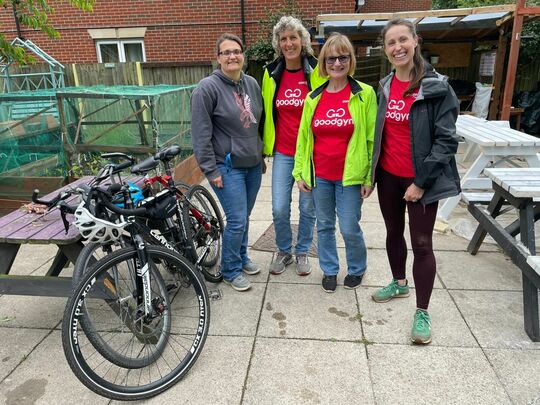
(126, 333)
(195, 232)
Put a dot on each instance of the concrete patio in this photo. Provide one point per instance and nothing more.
(286, 341)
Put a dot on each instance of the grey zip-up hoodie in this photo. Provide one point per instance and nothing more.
(225, 119)
(433, 135)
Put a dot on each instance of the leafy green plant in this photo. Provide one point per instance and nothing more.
(33, 14)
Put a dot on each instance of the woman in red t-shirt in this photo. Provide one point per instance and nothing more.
(333, 159)
(414, 163)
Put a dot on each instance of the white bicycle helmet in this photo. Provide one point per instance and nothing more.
(95, 229)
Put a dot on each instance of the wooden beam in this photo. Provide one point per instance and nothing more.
(454, 12)
(529, 11)
(498, 74)
(515, 42)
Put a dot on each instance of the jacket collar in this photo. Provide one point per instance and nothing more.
(356, 88)
(433, 84)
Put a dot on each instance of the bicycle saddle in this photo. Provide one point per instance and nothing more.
(145, 166)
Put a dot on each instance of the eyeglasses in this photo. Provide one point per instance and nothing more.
(230, 52)
(342, 59)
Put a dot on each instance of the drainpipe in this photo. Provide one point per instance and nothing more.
(243, 20)
(17, 24)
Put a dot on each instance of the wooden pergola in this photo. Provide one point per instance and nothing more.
(501, 24)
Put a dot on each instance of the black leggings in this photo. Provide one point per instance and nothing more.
(391, 190)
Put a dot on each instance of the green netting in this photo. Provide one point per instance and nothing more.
(133, 119)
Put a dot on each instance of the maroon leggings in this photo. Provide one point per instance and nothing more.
(391, 190)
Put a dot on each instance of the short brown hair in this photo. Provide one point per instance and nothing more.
(228, 37)
(341, 44)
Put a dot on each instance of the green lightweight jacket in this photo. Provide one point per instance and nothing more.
(271, 79)
(363, 110)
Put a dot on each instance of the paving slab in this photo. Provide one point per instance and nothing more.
(286, 371)
(216, 378)
(391, 322)
(236, 313)
(31, 312)
(519, 371)
(433, 375)
(45, 378)
(484, 271)
(16, 345)
(256, 229)
(495, 318)
(307, 312)
(375, 237)
(25, 262)
(378, 270)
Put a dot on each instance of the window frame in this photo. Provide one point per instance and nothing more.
(120, 46)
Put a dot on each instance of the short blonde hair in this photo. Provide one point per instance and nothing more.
(341, 45)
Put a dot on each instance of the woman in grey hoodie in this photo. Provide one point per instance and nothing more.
(226, 110)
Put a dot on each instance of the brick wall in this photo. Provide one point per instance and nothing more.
(177, 30)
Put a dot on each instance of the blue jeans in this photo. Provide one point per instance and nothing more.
(237, 197)
(331, 197)
(282, 186)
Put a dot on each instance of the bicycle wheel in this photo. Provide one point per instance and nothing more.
(206, 242)
(90, 254)
(145, 356)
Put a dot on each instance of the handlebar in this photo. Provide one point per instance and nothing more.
(128, 212)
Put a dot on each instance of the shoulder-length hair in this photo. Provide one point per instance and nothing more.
(290, 23)
(340, 44)
(419, 67)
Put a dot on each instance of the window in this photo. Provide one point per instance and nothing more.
(113, 51)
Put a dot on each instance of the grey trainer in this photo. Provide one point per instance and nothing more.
(280, 262)
(240, 283)
(251, 268)
(303, 268)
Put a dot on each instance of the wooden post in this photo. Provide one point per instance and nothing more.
(512, 60)
(498, 74)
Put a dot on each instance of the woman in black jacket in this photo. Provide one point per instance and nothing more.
(414, 164)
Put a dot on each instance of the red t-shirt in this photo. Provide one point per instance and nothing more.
(289, 103)
(396, 155)
(332, 127)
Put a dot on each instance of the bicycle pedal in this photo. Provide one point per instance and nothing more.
(215, 295)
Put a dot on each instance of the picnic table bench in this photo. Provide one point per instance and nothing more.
(491, 144)
(519, 187)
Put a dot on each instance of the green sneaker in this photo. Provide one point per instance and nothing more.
(392, 290)
(421, 328)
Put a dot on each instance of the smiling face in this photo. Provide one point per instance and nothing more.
(231, 58)
(338, 63)
(399, 47)
(290, 44)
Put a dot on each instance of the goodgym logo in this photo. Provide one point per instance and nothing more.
(293, 97)
(335, 119)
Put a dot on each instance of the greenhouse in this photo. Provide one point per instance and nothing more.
(49, 136)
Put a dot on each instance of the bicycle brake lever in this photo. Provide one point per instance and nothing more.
(64, 220)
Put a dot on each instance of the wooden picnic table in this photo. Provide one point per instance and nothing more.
(492, 144)
(518, 187)
(20, 227)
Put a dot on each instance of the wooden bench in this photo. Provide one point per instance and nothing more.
(521, 189)
(494, 145)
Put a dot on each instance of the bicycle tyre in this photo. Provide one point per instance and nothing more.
(198, 237)
(89, 256)
(187, 309)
